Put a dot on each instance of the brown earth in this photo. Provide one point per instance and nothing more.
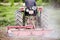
(4, 36)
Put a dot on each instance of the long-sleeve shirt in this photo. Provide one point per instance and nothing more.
(30, 3)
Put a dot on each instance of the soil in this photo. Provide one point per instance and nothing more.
(4, 36)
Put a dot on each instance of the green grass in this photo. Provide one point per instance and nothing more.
(7, 16)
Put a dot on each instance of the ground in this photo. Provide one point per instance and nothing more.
(54, 21)
(4, 36)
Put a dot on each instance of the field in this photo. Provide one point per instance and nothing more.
(4, 36)
(7, 16)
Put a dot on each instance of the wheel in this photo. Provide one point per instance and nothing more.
(38, 20)
(19, 18)
(44, 19)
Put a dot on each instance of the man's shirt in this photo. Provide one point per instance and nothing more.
(30, 3)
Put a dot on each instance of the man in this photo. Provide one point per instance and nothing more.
(30, 4)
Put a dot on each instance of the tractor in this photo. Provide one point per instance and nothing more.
(26, 16)
(27, 24)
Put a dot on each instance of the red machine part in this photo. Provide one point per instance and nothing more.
(40, 9)
(30, 32)
(20, 27)
(22, 9)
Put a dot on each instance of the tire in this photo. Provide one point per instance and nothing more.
(44, 19)
(19, 18)
(38, 20)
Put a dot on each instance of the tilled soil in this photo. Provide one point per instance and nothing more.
(4, 36)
